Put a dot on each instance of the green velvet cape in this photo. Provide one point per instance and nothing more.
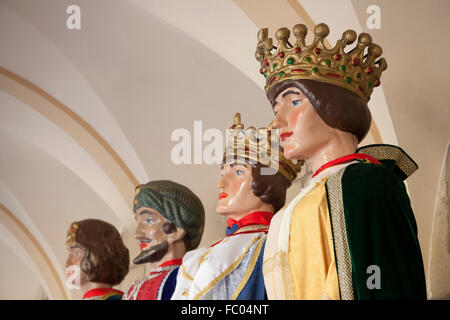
(374, 230)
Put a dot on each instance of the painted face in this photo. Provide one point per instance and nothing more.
(302, 131)
(236, 198)
(75, 256)
(153, 241)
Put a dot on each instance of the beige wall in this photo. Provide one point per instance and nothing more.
(88, 114)
(415, 84)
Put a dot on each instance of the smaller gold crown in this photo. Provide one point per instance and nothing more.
(353, 70)
(71, 235)
(258, 146)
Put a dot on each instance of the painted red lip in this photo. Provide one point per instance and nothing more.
(223, 195)
(285, 135)
(143, 244)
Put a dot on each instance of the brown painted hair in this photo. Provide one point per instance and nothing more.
(106, 258)
(271, 189)
(338, 107)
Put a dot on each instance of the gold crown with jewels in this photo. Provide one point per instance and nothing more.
(354, 70)
(258, 145)
(71, 235)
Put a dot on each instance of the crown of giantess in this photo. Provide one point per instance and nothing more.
(259, 145)
(357, 70)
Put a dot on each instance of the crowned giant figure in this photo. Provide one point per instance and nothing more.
(351, 233)
(254, 176)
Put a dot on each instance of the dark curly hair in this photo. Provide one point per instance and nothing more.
(106, 258)
(270, 189)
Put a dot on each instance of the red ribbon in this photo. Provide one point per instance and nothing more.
(257, 217)
(345, 159)
(100, 292)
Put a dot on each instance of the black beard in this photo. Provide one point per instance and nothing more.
(152, 254)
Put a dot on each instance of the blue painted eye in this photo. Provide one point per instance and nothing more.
(148, 221)
(296, 102)
(239, 173)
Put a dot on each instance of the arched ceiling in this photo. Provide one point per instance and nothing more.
(26, 285)
(86, 115)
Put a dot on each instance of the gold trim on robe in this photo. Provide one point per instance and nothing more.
(342, 250)
(204, 268)
(298, 263)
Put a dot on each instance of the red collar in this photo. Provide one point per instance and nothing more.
(100, 292)
(257, 217)
(174, 262)
(345, 159)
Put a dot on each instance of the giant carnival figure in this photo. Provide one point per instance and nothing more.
(252, 187)
(351, 233)
(97, 259)
(170, 220)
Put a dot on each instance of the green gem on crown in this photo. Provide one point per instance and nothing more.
(291, 60)
(342, 67)
(358, 75)
(315, 70)
(274, 66)
(281, 73)
(308, 59)
(369, 84)
(326, 63)
(348, 79)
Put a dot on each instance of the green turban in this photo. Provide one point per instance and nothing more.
(176, 203)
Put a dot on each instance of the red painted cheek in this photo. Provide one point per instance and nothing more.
(294, 118)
